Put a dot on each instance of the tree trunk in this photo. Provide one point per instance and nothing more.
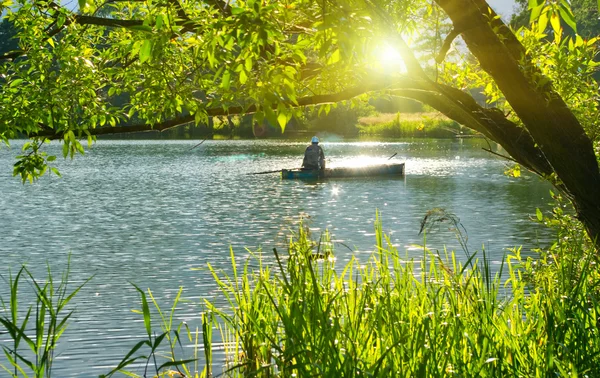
(553, 127)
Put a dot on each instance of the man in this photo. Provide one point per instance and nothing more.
(314, 158)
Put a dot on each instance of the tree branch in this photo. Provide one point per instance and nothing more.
(101, 21)
(12, 55)
(221, 5)
(234, 110)
(446, 46)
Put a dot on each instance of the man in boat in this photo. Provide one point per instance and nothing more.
(314, 158)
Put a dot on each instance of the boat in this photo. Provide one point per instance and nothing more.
(364, 171)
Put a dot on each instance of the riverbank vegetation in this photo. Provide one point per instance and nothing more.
(299, 313)
(411, 125)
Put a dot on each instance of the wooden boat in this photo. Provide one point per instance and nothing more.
(366, 171)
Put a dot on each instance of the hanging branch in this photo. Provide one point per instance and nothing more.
(446, 46)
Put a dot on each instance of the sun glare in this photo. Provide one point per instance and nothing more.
(389, 55)
(389, 59)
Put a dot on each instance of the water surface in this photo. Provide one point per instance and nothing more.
(148, 211)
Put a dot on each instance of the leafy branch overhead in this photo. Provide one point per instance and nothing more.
(117, 66)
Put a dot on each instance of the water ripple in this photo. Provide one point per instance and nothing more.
(147, 212)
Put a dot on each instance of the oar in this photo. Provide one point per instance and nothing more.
(392, 156)
(265, 172)
(198, 144)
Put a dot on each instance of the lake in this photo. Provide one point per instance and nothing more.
(147, 212)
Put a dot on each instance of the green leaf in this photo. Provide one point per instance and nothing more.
(175, 363)
(567, 16)
(79, 147)
(282, 120)
(65, 149)
(259, 118)
(243, 77)
(226, 79)
(535, 3)
(16, 82)
(538, 214)
(237, 10)
(145, 311)
(51, 158)
(543, 22)
(60, 21)
(146, 50)
(334, 58)
(82, 4)
(555, 22)
(270, 115)
(535, 13)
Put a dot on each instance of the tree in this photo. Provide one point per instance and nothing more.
(183, 62)
(584, 11)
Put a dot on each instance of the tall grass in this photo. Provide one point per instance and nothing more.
(410, 125)
(158, 354)
(393, 317)
(36, 329)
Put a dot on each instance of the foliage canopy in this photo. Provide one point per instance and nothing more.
(124, 66)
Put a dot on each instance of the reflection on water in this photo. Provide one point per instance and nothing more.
(148, 211)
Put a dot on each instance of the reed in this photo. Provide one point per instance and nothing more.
(158, 354)
(390, 316)
(35, 330)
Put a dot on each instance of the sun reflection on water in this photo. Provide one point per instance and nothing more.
(359, 161)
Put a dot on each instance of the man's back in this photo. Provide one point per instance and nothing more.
(313, 157)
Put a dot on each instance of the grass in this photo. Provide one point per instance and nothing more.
(410, 125)
(298, 314)
(35, 330)
(392, 317)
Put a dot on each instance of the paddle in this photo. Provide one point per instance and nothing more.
(265, 172)
(392, 156)
(198, 144)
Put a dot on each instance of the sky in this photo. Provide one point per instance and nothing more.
(503, 7)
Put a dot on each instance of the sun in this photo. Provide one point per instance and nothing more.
(389, 55)
(389, 59)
